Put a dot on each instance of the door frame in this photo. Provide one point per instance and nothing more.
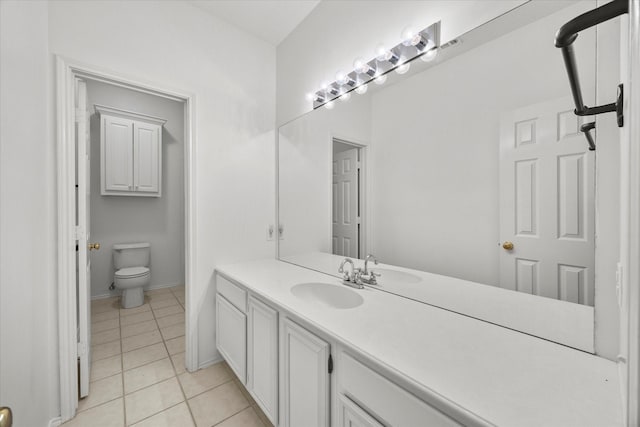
(630, 225)
(66, 71)
(363, 193)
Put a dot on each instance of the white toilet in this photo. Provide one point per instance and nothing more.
(131, 261)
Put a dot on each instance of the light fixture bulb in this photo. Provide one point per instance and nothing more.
(362, 67)
(409, 36)
(324, 86)
(329, 105)
(401, 69)
(341, 77)
(362, 89)
(310, 96)
(345, 96)
(384, 54)
(380, 79)
(430, 55)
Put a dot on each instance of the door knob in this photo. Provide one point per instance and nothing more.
(507, 245)
(93, 246)
(6, 418)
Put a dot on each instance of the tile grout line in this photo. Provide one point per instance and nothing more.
(184, 396)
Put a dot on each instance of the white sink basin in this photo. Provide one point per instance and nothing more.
(395, 276)
(334, 296)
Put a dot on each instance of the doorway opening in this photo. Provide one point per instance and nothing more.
(347, 209)
(158, 159)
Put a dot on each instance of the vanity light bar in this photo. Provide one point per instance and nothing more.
(424, 43)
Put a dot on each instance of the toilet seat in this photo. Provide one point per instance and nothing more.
(131, 272)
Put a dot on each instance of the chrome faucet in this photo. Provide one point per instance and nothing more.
(353, 279)
(369, 277)
(366, 263)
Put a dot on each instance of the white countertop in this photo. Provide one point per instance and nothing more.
(504, 377)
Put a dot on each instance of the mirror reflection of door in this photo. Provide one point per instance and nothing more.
(346, 199)
(547, 188)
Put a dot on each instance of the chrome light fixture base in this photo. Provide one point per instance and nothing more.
(428, 40)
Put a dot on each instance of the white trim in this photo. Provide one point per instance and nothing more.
(55, 422)
(66, 71)
(119, 112)
(212, 361)
(150, 288)
(630, 227)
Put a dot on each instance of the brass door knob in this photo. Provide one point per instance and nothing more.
(6, 418)
(507, 245)
(93, 246)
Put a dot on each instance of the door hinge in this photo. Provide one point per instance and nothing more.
(78, 233)
(330, 364)
(81, 349)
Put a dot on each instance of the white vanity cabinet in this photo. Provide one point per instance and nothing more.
(305, 374)
(231, 326)
(130, 153)
(383, 399)
(262, 356)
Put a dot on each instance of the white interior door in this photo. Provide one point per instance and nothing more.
(83, 235)
(547, 203)
(345, 218)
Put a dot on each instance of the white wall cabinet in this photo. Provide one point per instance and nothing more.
(131, 153)
(305, 378)
(262, 357)
(231, 336)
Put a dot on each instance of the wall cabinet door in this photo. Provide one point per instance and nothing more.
(305, 377)
(147, 157)
(351, 415)
(262, 357)
(231, 336)
(117, 155)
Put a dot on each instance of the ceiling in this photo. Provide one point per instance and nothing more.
(269, 20)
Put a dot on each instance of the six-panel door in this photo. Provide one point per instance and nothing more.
(262, 357)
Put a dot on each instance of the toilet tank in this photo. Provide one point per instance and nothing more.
(131, 255)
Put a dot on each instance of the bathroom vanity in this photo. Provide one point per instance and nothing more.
(332, 355)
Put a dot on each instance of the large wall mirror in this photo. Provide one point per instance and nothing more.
(467, 178)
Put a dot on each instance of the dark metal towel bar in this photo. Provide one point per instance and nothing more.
(565, 37)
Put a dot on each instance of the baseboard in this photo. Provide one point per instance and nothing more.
(150, 288)
(210, 362)
(55, 422)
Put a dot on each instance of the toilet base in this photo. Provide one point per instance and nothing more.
(133, 297)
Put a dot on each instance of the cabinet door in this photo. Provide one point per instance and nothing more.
(305, 376)
(231, 336)
(351, 415)
(117, 154)
(147, 152)
(262, 357)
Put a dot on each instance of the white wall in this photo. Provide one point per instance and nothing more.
(120, 219)
(335, 33)
(28, 293)
(232, 75)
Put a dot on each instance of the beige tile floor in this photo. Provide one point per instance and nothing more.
(138, 376)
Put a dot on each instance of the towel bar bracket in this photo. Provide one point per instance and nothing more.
(565, 37)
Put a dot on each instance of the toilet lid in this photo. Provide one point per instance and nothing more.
(132, 272)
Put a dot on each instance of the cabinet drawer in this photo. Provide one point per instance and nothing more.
(232, 292)
(384, 399)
